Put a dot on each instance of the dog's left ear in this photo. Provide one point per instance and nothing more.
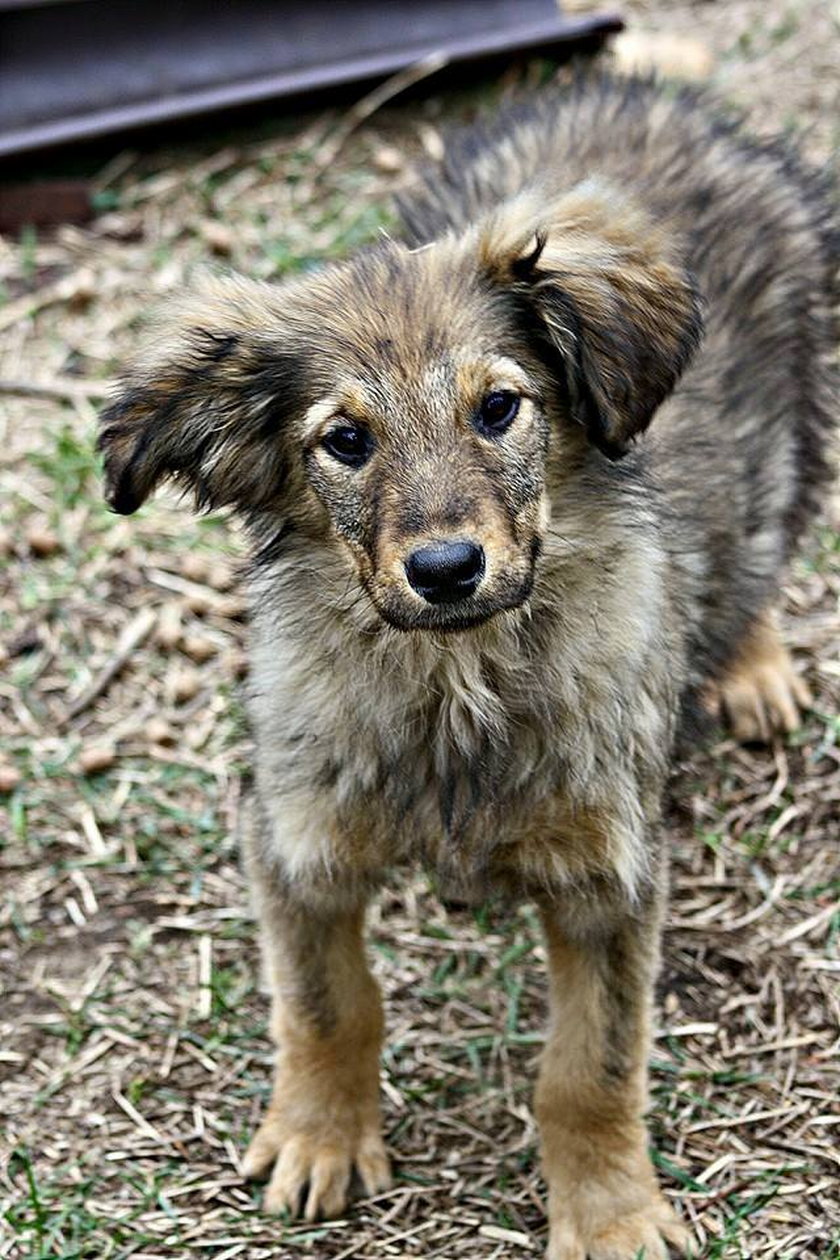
(602, 291)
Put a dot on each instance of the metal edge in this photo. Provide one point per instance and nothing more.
(288, 83)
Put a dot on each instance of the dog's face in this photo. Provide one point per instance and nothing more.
(404, 405)
(424, 437)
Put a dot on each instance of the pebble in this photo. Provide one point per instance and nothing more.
(649, 52)
(169, 630)
(218, 237)
(96, 758)
(233, 606)
(10, 777)
(158, 731)
(388, 159)
(236, 663)
(185, 685)
(432, 141)
(199, 604)
(220, 576)
(195, 567)
(198, 648)
(42, 542)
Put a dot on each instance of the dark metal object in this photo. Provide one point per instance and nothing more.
(78, 69)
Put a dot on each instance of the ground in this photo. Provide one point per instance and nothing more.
(134, 1059)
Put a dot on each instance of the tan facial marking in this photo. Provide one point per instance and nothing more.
(348, 401)
(476, 378)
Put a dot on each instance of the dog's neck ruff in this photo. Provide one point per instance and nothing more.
(421, 737)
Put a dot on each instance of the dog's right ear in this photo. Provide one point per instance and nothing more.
(206, 403)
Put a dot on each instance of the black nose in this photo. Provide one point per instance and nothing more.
(446, 571)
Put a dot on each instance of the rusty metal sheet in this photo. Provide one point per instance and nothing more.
(77, 69)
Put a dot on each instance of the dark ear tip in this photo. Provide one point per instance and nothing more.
(120, 491)
(121, 499)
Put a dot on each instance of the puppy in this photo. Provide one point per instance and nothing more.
(485, 592)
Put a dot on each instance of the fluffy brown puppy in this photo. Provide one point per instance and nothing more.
(484, 592)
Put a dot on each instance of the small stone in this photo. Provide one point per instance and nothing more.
(42, 542)
(10, 777)
(199, 604)
(96, 758)
(218, 237)
(388, 159)
(80, 290)
(195, 567)
(196, 737)
(169, 630)
(198, 648)
(234, 607)
(185, 685)
(28, 639)
(158, 731)
(658, 52)
(236, 663)
(432, 142)
(220, 576)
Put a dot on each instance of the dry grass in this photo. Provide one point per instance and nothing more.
(133, 1052)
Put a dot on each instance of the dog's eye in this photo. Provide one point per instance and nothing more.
(497, 412)
(350, 444)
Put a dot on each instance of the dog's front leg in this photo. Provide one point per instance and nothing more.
(323, 1119)
(603, 1200)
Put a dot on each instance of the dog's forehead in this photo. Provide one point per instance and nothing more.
(400, 329)
(407, 315)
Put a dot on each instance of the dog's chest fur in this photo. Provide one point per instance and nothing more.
(376, 747)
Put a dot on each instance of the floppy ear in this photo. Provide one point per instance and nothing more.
(606, 296)
(204, 404)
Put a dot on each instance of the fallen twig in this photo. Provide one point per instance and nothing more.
(79, 285)
(132, 636)
(369, 104)
(60, 390)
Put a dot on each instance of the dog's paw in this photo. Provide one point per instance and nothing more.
(764, 701)
(642, 1235)
(761, 694)
(315, 1168)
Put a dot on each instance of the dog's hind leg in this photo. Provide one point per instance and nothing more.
(323, 1119)
(761, 693)
(603, 1200)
